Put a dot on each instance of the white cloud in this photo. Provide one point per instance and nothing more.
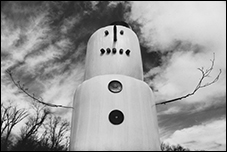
(8, 94)
(171, 110)
(11, 43)
(94, 4)
(181, 77)
(61, 89)
(210, 136)
(164, 22)
(33, 34)
(11, 94)
(69, 23)
(8, 34)
(114, 3)
(199, 26)
(50, 53)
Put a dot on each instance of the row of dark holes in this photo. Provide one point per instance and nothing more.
(114, 51)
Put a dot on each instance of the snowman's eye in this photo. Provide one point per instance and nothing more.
(106, 33)
(121, 32)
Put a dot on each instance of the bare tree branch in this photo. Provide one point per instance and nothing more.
(56, 129)
(39, 100)
(10, 116)
(205, 74)
(34, 122)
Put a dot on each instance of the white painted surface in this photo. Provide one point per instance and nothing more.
(91, 128)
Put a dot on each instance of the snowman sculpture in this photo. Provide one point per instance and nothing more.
(114, 109)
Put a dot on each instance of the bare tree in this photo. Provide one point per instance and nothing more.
(25, 90)
(27, 140)
(167, 147)
(34, 122)
(56, 130)
(42, 120)
(10, 116)
(205, 73)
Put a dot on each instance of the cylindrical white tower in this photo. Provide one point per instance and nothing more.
(113, 108)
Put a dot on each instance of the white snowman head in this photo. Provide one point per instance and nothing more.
(114, 49)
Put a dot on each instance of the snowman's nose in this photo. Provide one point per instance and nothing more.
(115, 33)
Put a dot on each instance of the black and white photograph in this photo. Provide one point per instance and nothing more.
(113, 75)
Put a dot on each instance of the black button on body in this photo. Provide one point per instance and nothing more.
(116, 117)
(115, 86)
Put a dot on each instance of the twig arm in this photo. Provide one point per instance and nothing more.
(205, 74)
(39, 100)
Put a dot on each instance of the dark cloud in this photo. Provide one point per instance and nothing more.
(90, 20)
(20, 12)
(188, 116)
(80, 19)
(4, 56)
(150, 59)
(22, 39)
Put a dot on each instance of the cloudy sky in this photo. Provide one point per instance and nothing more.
(44, 45)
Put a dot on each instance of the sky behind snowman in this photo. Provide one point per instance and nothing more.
(44, 46)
